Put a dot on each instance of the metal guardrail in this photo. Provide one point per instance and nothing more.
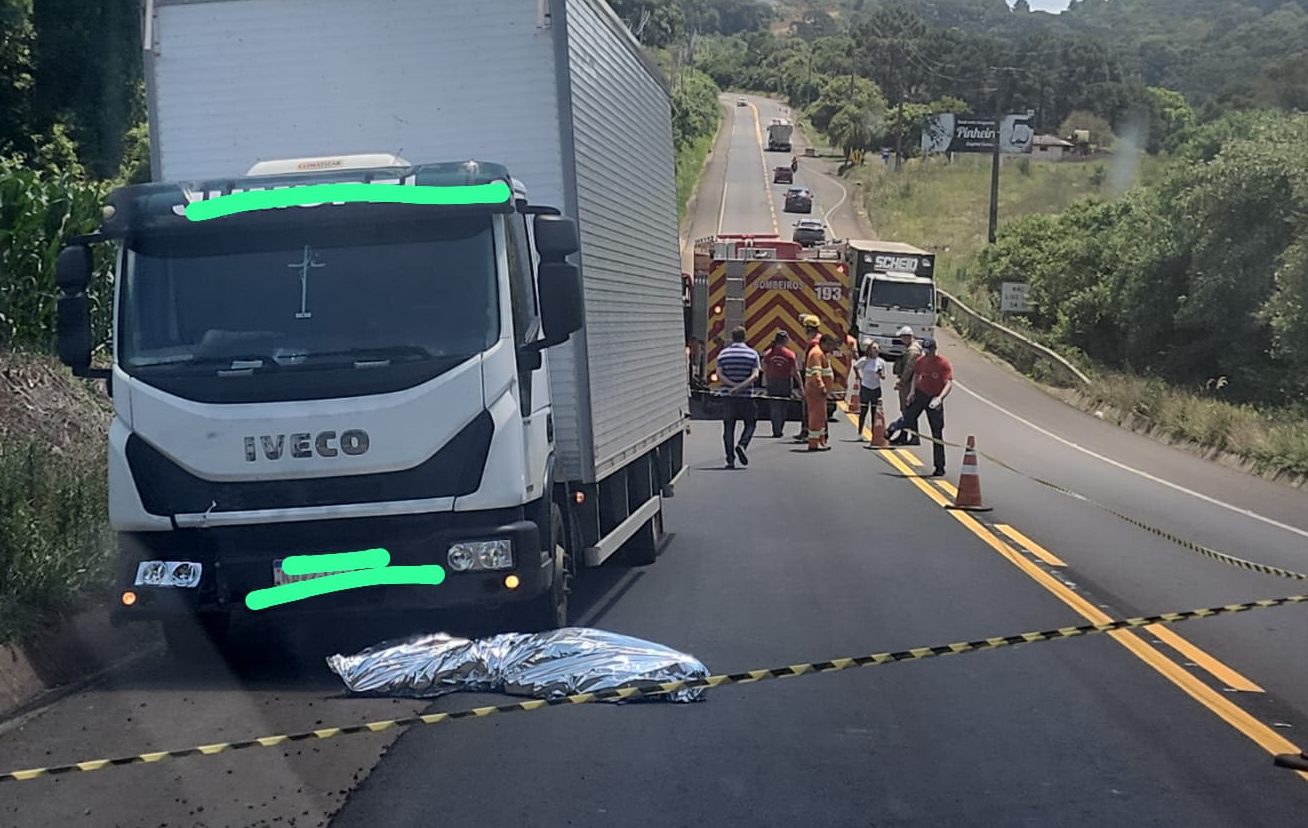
(1025, 342)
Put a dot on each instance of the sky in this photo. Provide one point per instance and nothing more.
(1048, 5)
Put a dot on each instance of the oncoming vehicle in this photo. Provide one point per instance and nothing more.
(741, 102)
(799, 200)
(895, 287)
(810, 232)
(783, 175)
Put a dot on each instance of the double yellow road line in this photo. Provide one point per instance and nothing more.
(1226, 710)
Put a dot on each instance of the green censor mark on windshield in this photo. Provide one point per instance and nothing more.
(345, 192)
(348, 570)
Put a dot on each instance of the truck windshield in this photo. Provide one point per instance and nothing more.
(904, 295)
(309, 296)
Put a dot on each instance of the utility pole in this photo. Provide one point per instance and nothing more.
(899, 128)
(994, 161)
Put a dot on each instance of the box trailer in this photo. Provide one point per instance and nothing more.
(465, 351)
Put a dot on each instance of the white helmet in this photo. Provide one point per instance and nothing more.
(905, 331)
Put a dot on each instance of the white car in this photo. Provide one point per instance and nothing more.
(741, 102)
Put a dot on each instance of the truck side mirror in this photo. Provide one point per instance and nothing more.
(73, 325)
(73, 269)
(73, 311)
(556, 237)
(562, 308)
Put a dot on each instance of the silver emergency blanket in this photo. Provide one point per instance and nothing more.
(541, 665)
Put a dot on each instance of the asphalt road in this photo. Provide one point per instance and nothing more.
(800, 558)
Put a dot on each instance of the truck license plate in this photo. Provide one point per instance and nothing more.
(280, 577)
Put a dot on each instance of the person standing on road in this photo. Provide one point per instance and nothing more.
(933, 379)
(738, 368)
(780, 371)
(904, 375)
(811, 338)
(818, 381)
(870, 369)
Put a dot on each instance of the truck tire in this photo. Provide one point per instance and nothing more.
(550, 611)
(643, 548)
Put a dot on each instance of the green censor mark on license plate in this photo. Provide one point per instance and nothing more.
(308, 576)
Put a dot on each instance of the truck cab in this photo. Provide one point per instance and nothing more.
(895, 285)
(888, 302)
(296, 375)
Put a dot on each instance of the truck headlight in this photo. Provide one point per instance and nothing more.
(181, 574)
(475, 555)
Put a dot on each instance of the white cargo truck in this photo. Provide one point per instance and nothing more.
(779, 134)
(895, 287)
(384, 295)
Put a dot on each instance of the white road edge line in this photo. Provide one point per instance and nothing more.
(844, 194)
(1146, 475)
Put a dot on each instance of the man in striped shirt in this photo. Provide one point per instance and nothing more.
(738, 368)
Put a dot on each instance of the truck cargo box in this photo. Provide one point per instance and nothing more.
(556, 90)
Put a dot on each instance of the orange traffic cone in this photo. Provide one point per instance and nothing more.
(879, 440)
(969, 482)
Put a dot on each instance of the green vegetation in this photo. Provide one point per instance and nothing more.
(1200, 276)
(54, 537)
(944, 206)
(690, 164)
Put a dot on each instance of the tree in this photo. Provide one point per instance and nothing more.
(15, 74)
(87, 63)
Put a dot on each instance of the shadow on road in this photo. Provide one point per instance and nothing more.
(290, 653)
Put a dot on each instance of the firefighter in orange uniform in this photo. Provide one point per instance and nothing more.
(818, 382)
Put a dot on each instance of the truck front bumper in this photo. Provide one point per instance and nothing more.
(238, 560)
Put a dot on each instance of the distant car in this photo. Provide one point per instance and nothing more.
(741, 102)
(783, 175)
(799, 200)
(809, 232)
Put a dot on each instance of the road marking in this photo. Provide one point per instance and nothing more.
(722, 211)
(1146, 475)
(1229, 712)
(1030, 545)
(945, 486)
(910, 457)
(1215, 668)
(767, 182)
(844, 194)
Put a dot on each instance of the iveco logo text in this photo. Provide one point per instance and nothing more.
(303, 445)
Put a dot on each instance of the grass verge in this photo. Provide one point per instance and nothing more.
(945, 207)
(55, 542)
(1273, 442)
(690, 166)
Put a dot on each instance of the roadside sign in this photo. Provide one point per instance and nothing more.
(1015, 297)
(951, 132)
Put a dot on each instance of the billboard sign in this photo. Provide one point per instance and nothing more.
(950, 132)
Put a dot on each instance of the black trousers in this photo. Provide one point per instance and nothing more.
(777, 407)
(867, 402)
(935, 418)
(737, 408)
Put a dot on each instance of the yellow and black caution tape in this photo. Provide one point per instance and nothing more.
(631, 693)
(1185, 543)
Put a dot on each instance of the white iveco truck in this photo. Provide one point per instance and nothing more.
(436, 365)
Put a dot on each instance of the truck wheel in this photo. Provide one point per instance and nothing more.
(197, 638)
(550, 611)
(643, 548)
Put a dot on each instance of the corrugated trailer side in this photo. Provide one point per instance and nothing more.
(617, 116)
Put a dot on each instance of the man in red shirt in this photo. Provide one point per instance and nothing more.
(780, 372)
(933, 379)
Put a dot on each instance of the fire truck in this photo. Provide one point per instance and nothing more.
(766, 284)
